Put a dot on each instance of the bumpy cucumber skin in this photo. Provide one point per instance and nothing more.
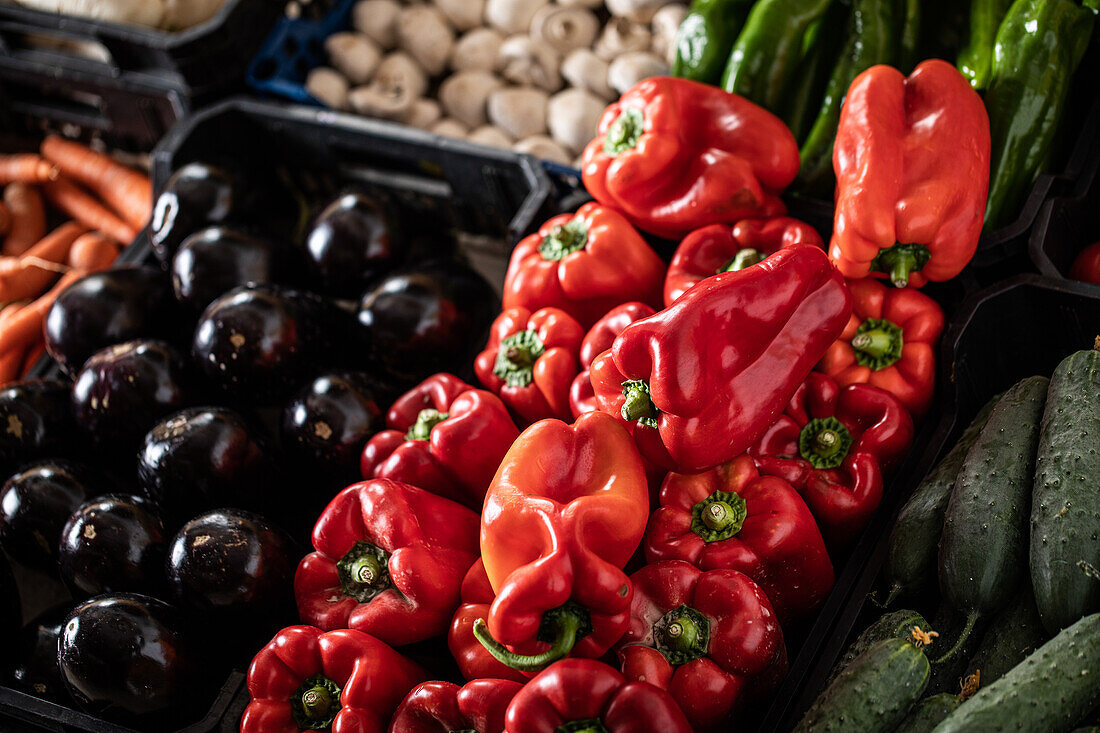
(1065, 508)
(1050, 691)
(893, 625)
(984, 544)
(929, 713)
(1013, 634)
(873, 694)
(910, 569)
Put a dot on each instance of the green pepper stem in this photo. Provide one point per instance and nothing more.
(316, 702)
(517, 356)
(366, 570)
(567, 627)
(637, 404)
(624, 132)
(744, 258)
(564, 240)
(827, 443)
(824, 442)
(426, 420)
(589, 725)
(719, 516)
(900, 260)
(682, 635)
(875, 343)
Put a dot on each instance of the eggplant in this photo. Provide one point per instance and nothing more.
(205, 457)
(217, 259)
(430, 319)
(130, 658)
(108, 308)
(195, 196)
(36, 421)
(112, 544)
(351, 243)
(11, 614)
(35, 504)
(123, 390)
(34, 669)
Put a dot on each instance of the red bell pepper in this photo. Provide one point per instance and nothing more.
(599, 338)
(731, 517)
(343, 681)
(890, 341)
(530, 361)
(719, 248)
(389, 561)
(710, 638)
(586, 696)
(834, 445)
(675, 155)
(443, 707)
(584, 264)
(912, 174)
(565, 512)
(1086, 267)
(442, 436)
(703, 379)
(474, 660)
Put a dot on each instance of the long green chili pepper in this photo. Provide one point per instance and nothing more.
(706, 36)
(976, 57)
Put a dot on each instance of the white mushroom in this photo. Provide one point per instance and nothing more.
(398, 69)
(424, 113)
(544, 147)
(512, 16)
(449, 128)
(630, 68)
(573, 116)
(464, 95)
(478, 49)
(526, 61)
(377, 19)
(622, 36)
(491, 136)
(582, 68)
(328, 86)
(424, 32)
(564, 29)
(593, 4)
(520, 111)
(354, 55)
(387, 103)
(640, 11)
(666, 24)
(462, 14)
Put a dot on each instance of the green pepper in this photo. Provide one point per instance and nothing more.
(1038, 47)
(976, 56)
(769, 49)
(706, 36)
(821, 48)
(910, 36)
(873, 31)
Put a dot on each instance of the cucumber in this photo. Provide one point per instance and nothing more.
(983, 550)
(873, 694)
(1014, 634)
(929, 713)
(1052, 690)
(893, 625)
(910, 568)
(948, 669)
(1065, 508)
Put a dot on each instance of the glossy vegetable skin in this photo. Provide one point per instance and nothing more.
(33, 666)
(217, 259)
(582, 397)
(195, 196)
(1086, 266)
(35, 504)
(353, 241)
(479, 705)
(705, 37)
(38, 423)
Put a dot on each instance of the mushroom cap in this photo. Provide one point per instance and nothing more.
(573, 116)
(519, 111)
(377, 19)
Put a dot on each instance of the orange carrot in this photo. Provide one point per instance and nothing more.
(33, 355)
(28, 218)
(26, 168)
(5, 219)
(10, 310)
(125, 190)
(92, 252)
(24, 330)
(81, 206)
(10, 364)
(28, 275)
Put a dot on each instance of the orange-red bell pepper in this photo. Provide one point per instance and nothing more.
(474, 660)
(582, 398)
(443, 707)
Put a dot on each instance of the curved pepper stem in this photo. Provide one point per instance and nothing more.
(564, 239)
(315, 703)
(590, 725)
(638, 405)
(901, 260)
(824, 442)
(364, 571)
(877, 343)
(744, 258)
(682, 635)
(719, 516)
(425, 421)
(516, 358)
(561, 627)
(624, 132)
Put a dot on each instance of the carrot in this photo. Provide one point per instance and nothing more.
(10, 364)
(92, 252)
(5, 219)
(26, 168)
(79, 205)
(127, 191)
(24, 330)
(28, 275)
(28, 218)
(10, 310)
(33, 355)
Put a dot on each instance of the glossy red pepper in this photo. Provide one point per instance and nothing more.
(703, 379)
(586, 696)
(389, 561)
(835, 445)
(912, 174)
(473, 659)
(675, 155)
(582, 398)
(710, 638)
(1086, 267)
(584, 264)
(565, 512)
(444, 707)
(343, 681)
(731, 517)
(719, 248)
(890, 341)
(442, 436)
(531, 360)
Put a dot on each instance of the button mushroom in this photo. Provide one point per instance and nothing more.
(512, 16)
(666, 24)
(424, 113)
(478, 50)
(462, 14)
(424, 33)
(328, 86)
(449, 128)
(582, 68)
(622, 36)
(491, 136)
(464, 95)
(564, 29)
(573, 116)
(519, 111)
(630, 68)
(377, 19)
(398, 69)
(542, 147)
(397, 84)
(640, 11)
(354, 55)
(526, 61)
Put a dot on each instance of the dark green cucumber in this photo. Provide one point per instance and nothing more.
(948, 669)
(1013, 634)
(873, 694)
(983, 550)
(911, 561)
(893, 625)
(1065, 508)
(929, 713)
(1052, 690)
